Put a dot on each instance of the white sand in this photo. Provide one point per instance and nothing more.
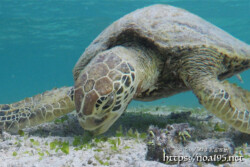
(33, 149)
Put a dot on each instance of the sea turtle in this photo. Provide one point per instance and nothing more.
(151, 53)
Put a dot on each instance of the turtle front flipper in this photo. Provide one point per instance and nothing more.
(227, 101)
(109, 82)
(201, 70)
(38, 109)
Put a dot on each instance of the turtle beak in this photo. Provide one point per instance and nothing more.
(97, 115)
(103, 89)
(94, 103)
(99, 126)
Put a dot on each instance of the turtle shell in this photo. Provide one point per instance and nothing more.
(164, 28)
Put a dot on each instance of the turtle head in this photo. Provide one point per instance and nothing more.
(102, 91)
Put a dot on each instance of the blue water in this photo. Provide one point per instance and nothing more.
(41, 40)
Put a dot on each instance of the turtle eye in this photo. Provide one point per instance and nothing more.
(110, 101)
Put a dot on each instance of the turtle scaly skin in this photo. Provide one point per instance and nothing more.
(227, 101)
(110, 81)
(38, 109)
(154, 52)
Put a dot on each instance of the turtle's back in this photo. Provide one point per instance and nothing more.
(164, 28)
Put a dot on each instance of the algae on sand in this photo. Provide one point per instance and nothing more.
(126, 142)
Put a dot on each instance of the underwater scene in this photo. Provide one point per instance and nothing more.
(85, 77)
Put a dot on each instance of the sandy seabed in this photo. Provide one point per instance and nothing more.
(57, 144)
